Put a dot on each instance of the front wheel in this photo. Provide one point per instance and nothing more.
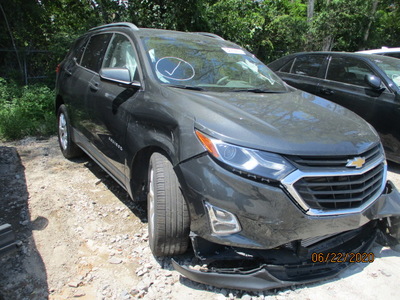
(167, 212)
(68, 148)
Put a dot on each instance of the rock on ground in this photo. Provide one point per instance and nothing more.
(81, 237)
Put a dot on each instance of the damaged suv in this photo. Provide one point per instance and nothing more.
(267, 183)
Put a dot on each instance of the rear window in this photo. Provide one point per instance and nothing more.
(94, 51)
(393, 54)
(287, 67)
(308, 65)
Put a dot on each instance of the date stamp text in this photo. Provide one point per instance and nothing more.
(333, 257)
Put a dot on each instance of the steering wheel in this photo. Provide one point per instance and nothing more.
(221, 80)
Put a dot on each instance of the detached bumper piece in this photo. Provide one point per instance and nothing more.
(8, 243)
(259, 279)
(259, 270)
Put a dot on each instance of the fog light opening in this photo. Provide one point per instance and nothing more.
(222, 222)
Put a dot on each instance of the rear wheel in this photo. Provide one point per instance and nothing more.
(168, 217)
(68, 148)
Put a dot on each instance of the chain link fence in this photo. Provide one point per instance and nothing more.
(27, 66)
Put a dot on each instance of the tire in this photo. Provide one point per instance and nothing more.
(68, 148)
(167, 212)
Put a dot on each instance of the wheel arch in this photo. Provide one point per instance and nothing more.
(59, 101)
(139, 171)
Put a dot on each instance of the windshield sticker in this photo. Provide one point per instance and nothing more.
(175, 68)
(152, 55)
(233, 51)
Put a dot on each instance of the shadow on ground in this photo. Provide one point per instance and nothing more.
(22, 272)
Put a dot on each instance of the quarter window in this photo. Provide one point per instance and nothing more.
(77, 49)
(348, 70)
(308, 65)
(286, 68)
(121, 54)
(94, 52)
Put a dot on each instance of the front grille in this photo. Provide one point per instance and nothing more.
(340, 192)
(334, 161)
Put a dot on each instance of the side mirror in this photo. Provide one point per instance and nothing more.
(120, 76)
(373, 81)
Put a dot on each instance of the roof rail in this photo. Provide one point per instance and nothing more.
(120, 24)
(212, 35)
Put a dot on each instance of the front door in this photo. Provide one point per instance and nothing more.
(345, 84)
(110, 106)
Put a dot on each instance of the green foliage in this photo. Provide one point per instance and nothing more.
(25, 110)
(386, 31)
(268, 28)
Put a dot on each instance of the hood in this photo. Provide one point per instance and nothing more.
(292, 123)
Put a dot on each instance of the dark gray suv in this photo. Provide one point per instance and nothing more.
(271, 185)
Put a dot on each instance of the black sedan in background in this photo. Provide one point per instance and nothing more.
(367, 84)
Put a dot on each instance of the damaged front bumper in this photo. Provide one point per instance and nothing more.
(294, 263)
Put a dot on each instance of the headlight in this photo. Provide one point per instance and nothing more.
(259, 163)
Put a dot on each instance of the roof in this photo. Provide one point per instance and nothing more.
(380, 51)
(150, 31)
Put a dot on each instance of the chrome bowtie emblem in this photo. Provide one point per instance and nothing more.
(356, 162)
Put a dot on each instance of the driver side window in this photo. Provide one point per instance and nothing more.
(120, 54)
(348, 70)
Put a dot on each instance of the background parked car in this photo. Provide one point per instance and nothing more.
(393, 52)
(365, 83)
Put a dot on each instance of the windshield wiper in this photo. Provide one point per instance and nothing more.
(186, 87)
(257, 90)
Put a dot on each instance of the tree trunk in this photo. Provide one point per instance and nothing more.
(310, 10)
(368, 28)
(328, 43)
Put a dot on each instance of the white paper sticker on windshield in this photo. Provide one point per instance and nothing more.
(233, 51)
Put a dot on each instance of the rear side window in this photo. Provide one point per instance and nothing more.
(287, 67)
(77, 48)
(348, 70)
(94, 51)
(308, 65)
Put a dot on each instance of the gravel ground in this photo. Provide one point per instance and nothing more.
(80, 236)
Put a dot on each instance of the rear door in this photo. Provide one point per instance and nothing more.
(73, 83)
(81, 70)
(304, 72)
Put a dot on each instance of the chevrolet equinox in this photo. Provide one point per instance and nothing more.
(264, 182)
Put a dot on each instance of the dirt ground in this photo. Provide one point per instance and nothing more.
(80, 236)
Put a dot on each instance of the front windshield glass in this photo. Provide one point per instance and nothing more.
(197, 63)
(391, 66)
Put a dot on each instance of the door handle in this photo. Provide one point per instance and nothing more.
(68, 72)
(327, 91)
(94, 86)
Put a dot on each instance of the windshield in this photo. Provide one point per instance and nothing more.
(197, 63)
(391, 66)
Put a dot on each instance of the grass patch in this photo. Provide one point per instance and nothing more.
(26, 111)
